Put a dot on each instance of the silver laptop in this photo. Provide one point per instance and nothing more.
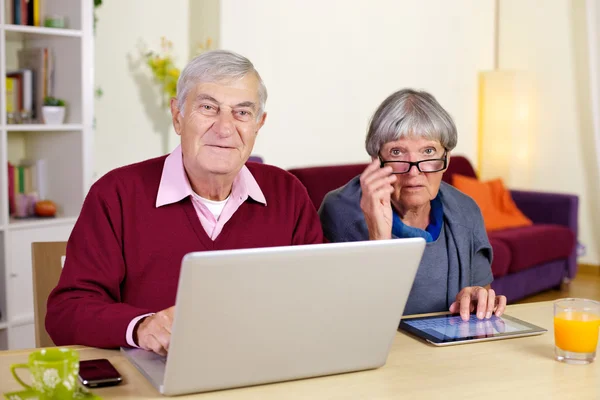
(248, 317)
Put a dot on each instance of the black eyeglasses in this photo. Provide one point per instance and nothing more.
(425, 166)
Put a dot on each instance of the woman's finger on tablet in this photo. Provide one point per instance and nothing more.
(491, 303)
(454, 307)
(501, 301)
(465, 305)
(482, 298)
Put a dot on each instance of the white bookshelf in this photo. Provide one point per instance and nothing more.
(65, 148)
(42, 128)
(18, 31)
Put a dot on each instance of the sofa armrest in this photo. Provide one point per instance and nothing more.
(551, 208)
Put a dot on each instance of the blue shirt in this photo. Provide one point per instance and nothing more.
(431, 233)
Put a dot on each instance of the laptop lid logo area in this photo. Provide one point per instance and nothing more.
(248, 317)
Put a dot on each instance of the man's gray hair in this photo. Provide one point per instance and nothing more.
(218, 66)
(410, 113)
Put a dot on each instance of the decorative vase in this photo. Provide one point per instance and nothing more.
(53, 115)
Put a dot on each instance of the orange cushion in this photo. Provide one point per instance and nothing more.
(496, 204)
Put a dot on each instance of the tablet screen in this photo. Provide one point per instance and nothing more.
(449, 328)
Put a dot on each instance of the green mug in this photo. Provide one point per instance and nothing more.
(54, 372)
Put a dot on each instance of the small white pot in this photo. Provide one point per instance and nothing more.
(53, 115)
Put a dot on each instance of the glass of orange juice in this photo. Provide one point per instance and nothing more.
(576, 326)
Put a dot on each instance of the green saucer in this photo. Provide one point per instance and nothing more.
(32, 395)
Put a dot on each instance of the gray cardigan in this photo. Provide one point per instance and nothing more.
(467, 245)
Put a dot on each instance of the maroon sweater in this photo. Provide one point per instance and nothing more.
(124, 254)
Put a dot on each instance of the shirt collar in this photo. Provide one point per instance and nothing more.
(174, 184)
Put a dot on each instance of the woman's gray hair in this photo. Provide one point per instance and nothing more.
(218, 66)
(410, 113)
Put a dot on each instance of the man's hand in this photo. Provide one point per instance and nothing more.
(154, 332)
(476, 297)
(376, 185)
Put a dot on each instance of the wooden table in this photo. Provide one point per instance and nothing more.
(510, 369)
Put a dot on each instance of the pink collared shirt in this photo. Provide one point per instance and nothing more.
(175, 186)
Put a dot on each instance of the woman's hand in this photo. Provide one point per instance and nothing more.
(483, 299)
(376, 185)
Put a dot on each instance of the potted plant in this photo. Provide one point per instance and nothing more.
(53, 111)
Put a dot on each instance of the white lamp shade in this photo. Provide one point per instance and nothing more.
(505, 126)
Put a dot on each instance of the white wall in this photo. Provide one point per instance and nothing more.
(329, 64)
(587, 34)
(551, 46)
(130, 124)
(204, 17)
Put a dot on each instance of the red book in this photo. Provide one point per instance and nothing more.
(11, 188)
(24, 12)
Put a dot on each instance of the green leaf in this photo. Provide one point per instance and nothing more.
(54, 102)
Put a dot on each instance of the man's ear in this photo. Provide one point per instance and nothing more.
(176, 116)
(261, 121)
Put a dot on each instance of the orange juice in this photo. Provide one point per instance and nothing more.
(576, 331)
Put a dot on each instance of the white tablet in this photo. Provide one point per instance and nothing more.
(444, 330)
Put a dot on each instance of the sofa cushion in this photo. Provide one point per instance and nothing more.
(536, 244)
(501, 259)
(497, 206)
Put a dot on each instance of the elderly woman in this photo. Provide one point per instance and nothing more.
(401, 195)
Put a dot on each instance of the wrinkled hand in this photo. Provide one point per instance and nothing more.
(154, 332)
(476, 297)
(376, 185)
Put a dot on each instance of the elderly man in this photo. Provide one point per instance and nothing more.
(122, 267)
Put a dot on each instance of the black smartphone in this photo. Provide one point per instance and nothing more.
(98, 373)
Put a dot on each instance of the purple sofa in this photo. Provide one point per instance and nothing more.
(256, 159)
(527, 260)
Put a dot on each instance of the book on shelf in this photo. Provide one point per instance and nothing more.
(30, 84)
(40, 61)
(12, 95)
(28, 178)
(23, 88)
(11, 189)
(23, 12)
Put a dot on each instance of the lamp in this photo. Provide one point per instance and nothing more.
(505, 126)
(505, 122)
